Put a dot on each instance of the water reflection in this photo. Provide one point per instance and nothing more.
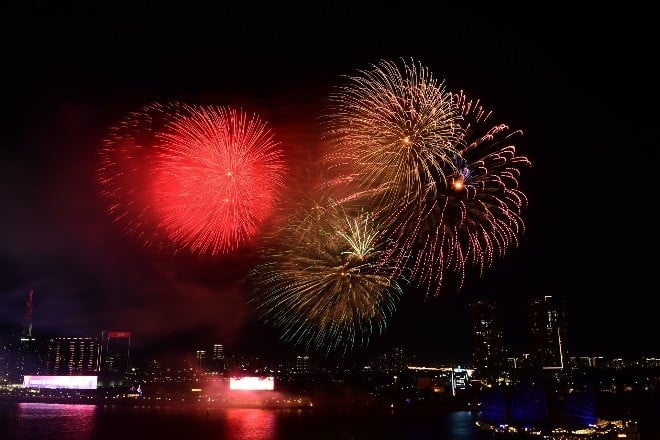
(461, 424)
(36, 421)
(251, 424)
(62, 421)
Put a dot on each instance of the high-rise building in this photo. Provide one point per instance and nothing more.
(548, 331)
(218, 358)
(200, 358)
(115, 352)
(218, 351)
(66, 356)
(302, 365)
(489, 354)
(460, 380)
(395, 360)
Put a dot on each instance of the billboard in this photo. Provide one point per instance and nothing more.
(252, 383)
(119, 335)
(55, 382)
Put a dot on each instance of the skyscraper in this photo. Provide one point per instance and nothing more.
(302, 365)
(200, 357)
(218, 358)
(489, 355)
(218, 351)
(115, 353)
(548, 331)
(67, 356)
(29, 360)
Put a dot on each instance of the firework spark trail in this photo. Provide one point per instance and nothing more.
(329, 280)
(201, 178)
(439, 178)
(475, 215)
(420, 183)
(217, 173)
(124, 170)
(393, 127)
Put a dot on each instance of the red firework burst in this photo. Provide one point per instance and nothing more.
(216, 173)
(178, 176)
(124, 172)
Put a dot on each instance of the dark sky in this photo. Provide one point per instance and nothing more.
(577, 81)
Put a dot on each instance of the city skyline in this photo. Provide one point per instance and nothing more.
(75, 73)
(484, 327)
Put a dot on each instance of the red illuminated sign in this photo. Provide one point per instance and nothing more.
(119, 334)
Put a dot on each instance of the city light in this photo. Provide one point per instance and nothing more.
(252, 383)
(57, 382)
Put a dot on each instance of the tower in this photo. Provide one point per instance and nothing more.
(29, 359)
(548, 331)
(489, 355)
(26, 328)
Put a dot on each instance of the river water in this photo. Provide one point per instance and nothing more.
(37, 421)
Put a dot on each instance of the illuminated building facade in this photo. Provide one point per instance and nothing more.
(72, 356)
(302, 365)
(115, 352)
(548, 331)
(218, 351)
(460, 380)
(396, 360)
(200, 358)
(218, 358)
(77, 382)
(489, 355)
(29, 359)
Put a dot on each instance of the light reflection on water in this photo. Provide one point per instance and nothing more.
(252, 424)
(38, 421)
(461, 425)
(56, 421)
(41, 421)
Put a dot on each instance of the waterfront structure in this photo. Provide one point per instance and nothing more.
(524, 411)
(460, 380)
(548, 331)
(77, 382)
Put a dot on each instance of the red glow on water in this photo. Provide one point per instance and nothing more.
(252, 424)
(70, 420)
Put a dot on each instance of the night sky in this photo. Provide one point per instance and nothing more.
(578, 82)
